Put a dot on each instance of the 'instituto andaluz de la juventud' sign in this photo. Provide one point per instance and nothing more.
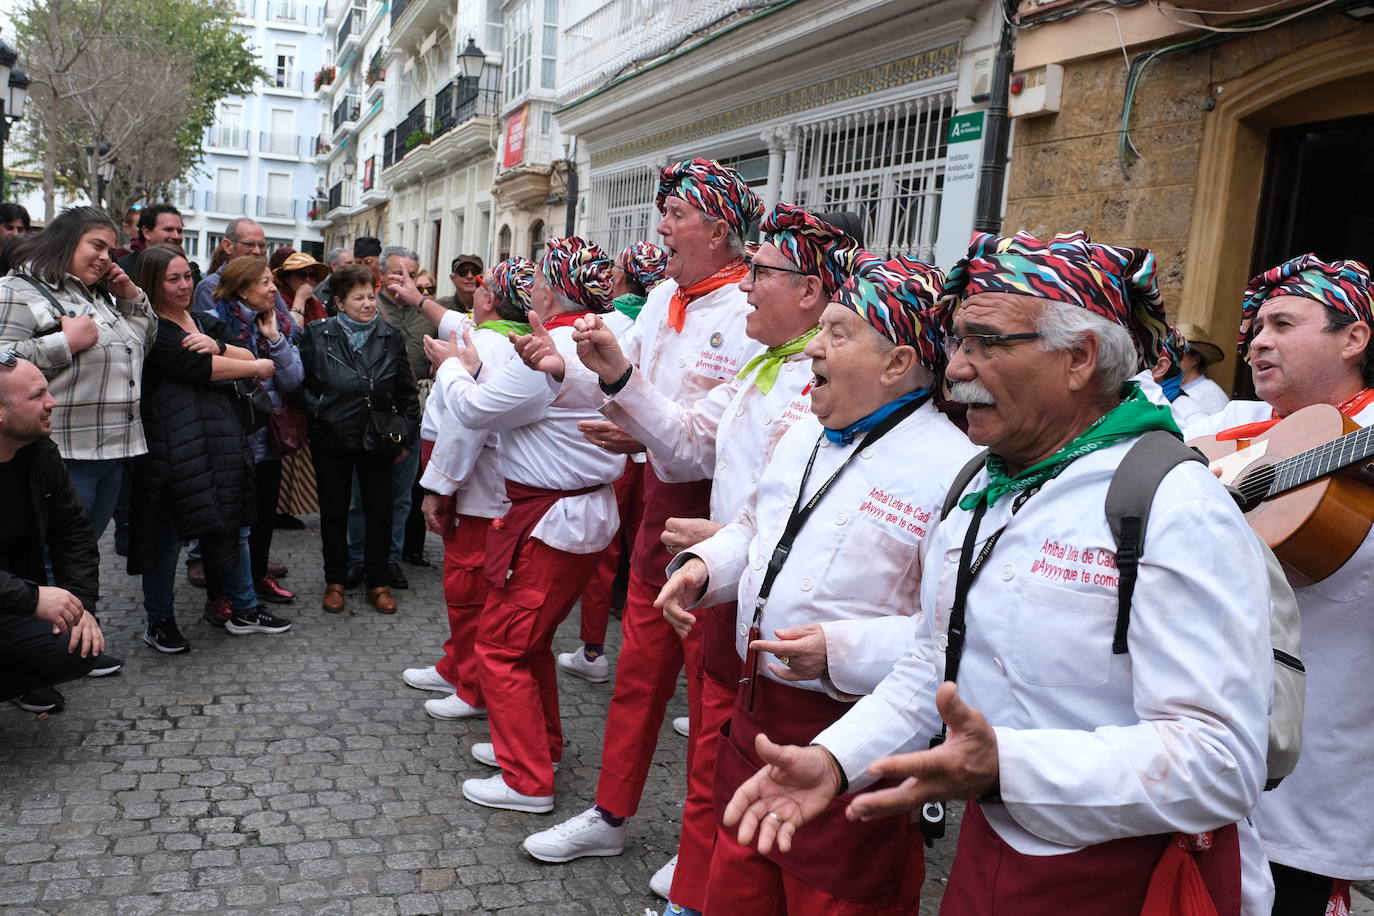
(963, 156)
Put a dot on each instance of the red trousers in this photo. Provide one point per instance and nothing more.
(515, 661)
(744, 883)
(596, 597)
(465, 592)
(712, 708)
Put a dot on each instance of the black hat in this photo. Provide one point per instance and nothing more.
(366, 247)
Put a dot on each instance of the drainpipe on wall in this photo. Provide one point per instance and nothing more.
(987, 214)
(571, 191)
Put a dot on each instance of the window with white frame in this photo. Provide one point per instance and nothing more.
(548, 61)
(516, 61)
(278, 204)
(229, 131)
(284, 69)
(227, 198)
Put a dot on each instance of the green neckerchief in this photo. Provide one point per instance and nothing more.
(769, 362)
(1135, 415)
(628, 304)
(504, 326)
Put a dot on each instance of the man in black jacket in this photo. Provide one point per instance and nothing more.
(46, 633)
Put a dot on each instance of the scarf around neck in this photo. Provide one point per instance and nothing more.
(770, 361)
(357, 331)
(684, 296)
(629, 305)
(1135, 415)
(505, 327)
(846, 435)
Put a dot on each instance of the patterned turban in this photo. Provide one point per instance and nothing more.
(1341, 285)
(1174, 345)
(713, 189)
(512, 281)
(898, 299)
(1119, 284)
(646, 263)
(580, 270)
(812, 244)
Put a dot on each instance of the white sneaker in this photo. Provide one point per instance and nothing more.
(682, 725)
(453, 707)
(485, 752)
(597, 670)
(584, 835)
(426, 679)
(493, 792)
(662, 881)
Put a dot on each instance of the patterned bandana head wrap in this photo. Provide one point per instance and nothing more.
(713, 189)
(1120, 284)
(898, 299)
(812, 244)
(580, 270)
(646, 263)
(512, 281)
(1341, 285)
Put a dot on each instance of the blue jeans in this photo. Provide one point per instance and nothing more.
(235, 583)
(159, 576)
(97, 483)
(402, 480)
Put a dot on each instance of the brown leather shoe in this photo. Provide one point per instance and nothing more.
(381, 599)
(333, 598)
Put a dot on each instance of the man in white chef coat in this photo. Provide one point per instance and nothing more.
(1085, 769)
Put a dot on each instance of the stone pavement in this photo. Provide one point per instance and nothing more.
(297, 774)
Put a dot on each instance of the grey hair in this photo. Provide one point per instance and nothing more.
(1062, 325)
(921, 375)
(334, 255)
(231, 231)
(734, 242)
(395, 251)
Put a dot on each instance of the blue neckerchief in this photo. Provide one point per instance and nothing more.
(846, 435)
(1173, 386)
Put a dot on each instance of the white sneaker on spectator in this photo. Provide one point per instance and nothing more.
(597, 670)
(485, 752)
(662, 881)
(682, 725)
(453, 707)
(493, 792)
(588, 834)
(426, 679)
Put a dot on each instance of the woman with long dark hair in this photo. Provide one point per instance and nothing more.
(197, 478)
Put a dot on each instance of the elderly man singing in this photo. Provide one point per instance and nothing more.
(1086, 769)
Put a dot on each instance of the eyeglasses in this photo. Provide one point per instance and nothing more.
(755, 267)
(976, 346)
(427, 290)
(256, 246)
(466, 270)
(9, 357)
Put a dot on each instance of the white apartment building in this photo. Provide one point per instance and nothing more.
(831, 104)
(258, 161)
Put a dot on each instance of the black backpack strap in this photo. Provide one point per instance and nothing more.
(961, 481)
(1129, 497)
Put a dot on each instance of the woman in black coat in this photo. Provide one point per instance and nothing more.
(364, 415)
(196, 480)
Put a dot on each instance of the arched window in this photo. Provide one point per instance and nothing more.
(536, 239)
(503, 243)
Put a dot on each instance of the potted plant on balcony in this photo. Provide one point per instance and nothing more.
(324, 77)
(376, 73)
(313, 213)
(418, 137)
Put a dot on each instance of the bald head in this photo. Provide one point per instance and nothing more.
(25, 407)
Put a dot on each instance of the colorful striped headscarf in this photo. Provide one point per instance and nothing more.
(713, 189)
(1341, 285)
(1120, 284)
(898, 299)
(512, 281)
(580, 270)
(812, 244)
(646, 263)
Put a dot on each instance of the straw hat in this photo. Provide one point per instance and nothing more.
(1207, 351)
(302, 263)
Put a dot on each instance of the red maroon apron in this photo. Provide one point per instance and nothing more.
(878, 862)
(989, 877)
(720, 657)
(510, 532)
(663, 501)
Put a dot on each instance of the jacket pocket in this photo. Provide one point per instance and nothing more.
(1062, 637)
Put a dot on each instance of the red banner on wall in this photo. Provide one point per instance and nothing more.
(515, 138)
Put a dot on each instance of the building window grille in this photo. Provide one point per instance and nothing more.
(622, 207)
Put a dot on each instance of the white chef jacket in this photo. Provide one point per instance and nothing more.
(540, 446)
(1207, 393)
(729, 434)
(465, 461)
(1321, 817)
(1093, 746)
(711, 349)
(856, 558)
(1183, 409)
(620, 325)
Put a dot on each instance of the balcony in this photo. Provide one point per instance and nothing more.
(412, 20)
(279, 144)
(226, 202)
(287, 12)
(280, 80)
(244, 9)
(226, 137)
(277, 208)
(460, 128)
(398, 9)
(316, 210)
(350, 29)
(346, 112)
(319, 146)
(342, 194)
(388, 149)
(414, 123)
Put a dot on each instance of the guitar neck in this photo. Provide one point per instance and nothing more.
(1322, 461)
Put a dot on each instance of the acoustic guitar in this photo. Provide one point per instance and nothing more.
(1307, 487)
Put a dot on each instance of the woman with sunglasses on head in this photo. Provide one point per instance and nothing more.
(197, 479)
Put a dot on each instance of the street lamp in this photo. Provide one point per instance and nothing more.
(471, 60)
(14, 94)
(102, 165)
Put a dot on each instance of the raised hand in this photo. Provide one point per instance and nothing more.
(598, 349)
(803, 647)
(267, 324)
(795, 785)
(605, 434)
(118, 282)
(964, 766)
(684, 587)
(537, 350)
(681, 533)
(401, 288)
(441, 351)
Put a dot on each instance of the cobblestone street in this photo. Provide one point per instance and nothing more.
(298, 774)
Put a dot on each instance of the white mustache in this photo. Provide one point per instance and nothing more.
(971, 393)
